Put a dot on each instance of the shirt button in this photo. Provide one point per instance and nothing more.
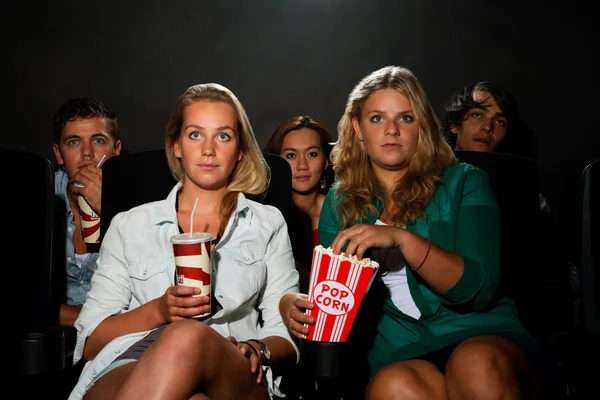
(144, 272)
(220, 296)
(81, 282)
(69, 229)
(69, 259)
(246, 258)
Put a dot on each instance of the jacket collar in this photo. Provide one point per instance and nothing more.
(166, 212)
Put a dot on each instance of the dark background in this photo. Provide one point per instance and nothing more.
(284, 58)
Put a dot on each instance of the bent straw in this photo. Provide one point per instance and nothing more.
(192, 217)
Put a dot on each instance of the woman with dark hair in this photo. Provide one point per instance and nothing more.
(305, 144)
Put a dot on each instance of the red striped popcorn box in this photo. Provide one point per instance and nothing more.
(192, 262)
(338, 284)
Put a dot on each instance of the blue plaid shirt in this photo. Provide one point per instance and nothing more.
(78, 278)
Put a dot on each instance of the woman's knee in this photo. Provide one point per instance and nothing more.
(185, 338)
(415, 379)
(484, 364)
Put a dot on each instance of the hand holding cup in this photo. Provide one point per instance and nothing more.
(192, 263)
(87, 183)
(182, 302)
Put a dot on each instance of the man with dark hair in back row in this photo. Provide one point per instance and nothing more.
(85, 130)
(485, 117)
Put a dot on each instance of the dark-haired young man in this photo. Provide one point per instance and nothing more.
(485, 117)
(85, 130)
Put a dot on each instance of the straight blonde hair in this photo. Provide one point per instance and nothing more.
(251, 174)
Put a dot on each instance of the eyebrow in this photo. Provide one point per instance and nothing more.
(77, 136)
(220, 128)
(409, 111)
(485, 108)
(294, 149)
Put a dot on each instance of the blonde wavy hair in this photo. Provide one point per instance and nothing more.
(355, 180)
(251, 174)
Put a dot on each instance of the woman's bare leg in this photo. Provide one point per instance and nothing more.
(188, 360)
(188, 357)
(413, 379)
(489, 367)
(108, 386)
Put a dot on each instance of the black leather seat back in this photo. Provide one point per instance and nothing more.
(27, 244)
(515, 182)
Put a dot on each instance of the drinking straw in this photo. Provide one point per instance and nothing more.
(81, 185)
(100, 162)
(192, 217)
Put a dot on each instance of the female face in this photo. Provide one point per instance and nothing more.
(388, 129)
(209, 144)
(483, 129)
(302, 149)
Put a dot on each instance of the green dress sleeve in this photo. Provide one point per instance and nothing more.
(477, 240)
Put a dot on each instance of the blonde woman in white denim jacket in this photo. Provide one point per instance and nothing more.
(135, 327)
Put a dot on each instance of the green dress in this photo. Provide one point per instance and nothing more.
(463, 217)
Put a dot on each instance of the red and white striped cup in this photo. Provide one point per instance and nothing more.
(192, 262)
(90, 221)
(338, 284)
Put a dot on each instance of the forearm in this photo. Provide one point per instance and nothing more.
(440, 268)
(68, 314)
(143, 318)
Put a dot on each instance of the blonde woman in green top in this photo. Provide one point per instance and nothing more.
(441, 329)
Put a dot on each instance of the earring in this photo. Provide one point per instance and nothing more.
(323, 183)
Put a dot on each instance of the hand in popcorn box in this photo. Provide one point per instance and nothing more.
(292, 308)
(363, 237)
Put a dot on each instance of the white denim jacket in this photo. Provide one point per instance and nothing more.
(252, 262)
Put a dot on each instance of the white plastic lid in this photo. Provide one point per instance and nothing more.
(191, 238)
